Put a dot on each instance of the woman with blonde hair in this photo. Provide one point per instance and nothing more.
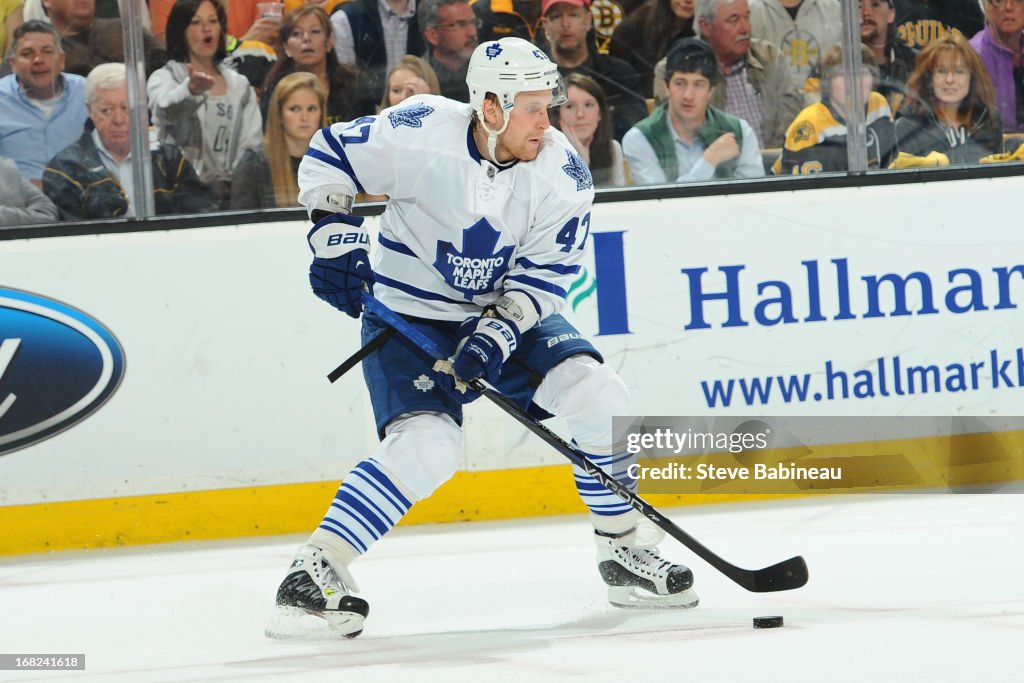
(951, 105)
(410, 76)
(267, 178)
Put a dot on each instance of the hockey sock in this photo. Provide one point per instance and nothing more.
(368, 503)
(601, 501)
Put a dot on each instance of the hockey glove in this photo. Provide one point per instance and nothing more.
(486, 342)
(341, 265)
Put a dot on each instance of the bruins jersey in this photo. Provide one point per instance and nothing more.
(919, 23)
(816, 140)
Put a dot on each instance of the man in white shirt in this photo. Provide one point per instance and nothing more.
(686, 139)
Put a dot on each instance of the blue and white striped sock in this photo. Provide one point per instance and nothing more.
(368, 504)
(600, 500)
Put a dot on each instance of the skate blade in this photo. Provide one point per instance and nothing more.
(294, 623)
(630, 597)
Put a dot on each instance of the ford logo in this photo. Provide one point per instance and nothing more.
(57, 367)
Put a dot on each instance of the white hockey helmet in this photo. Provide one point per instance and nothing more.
(508, 67)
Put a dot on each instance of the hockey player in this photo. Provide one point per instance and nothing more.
(488, 219)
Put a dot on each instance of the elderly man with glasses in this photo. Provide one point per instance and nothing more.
(1000, 47)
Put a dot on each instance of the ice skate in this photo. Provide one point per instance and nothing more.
(315, 591)
(639, 577)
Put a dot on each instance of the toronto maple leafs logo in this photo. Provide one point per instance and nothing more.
(539, 55)
(493, 50)
(478, 266)
(411, 116)
(423, 383)
(578, 171)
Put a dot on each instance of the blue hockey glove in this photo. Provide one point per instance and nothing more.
(485, 344)
(341, 265)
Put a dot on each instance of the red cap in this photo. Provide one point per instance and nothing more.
(546, 4)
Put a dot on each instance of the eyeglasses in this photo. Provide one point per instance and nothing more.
(463, 24)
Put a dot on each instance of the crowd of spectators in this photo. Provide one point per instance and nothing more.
(659, 91)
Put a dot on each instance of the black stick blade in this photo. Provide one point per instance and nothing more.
(784, 576)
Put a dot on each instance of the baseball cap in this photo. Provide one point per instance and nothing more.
(546, 4)
(691, 55)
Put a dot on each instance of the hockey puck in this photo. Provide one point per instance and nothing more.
(767, 622)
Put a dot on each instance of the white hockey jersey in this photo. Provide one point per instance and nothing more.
(458, 230)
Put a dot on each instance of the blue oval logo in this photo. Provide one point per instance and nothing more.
(57, 367)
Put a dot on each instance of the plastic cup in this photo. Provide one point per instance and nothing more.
(270, 10)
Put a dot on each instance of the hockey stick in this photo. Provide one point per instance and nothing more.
(786, 575)
(362, 353)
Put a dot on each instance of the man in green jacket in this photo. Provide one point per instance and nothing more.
(686, 138)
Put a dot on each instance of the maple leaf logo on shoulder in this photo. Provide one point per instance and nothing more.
(578, 171)
(411, 116)
(493, 50)
(478, 266)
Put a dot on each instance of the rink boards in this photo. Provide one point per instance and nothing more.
(219, 421)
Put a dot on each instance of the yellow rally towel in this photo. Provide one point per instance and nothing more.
(905, 160)
(1003, 157)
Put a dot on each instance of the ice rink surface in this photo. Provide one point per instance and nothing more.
(903, 588)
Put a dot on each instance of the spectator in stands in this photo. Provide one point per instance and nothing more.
(11, 17)
(895, 58)
(375, 34)
(753, 80)
(686, 138)
(243, 15)
(449, 30)
(41, 109)
(920, 22)
(105, 9)
(411, 76)
(92, 178)
(1001, 50)
(801, 29)
(951, 108)
(21, 202)
(89, 41)
(567, 25)
(207, 110)
(585, 121)
(643, 37)
(307, 42)
(267, 178)
(251, 52)
(816, 140)
(609, 15)
(508, 19)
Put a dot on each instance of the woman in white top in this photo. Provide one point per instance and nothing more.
(584, 119)
(207, 109)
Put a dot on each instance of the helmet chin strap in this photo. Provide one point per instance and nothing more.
(492, 135)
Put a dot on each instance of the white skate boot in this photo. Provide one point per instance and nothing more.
(639, 577)
(315, 587)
